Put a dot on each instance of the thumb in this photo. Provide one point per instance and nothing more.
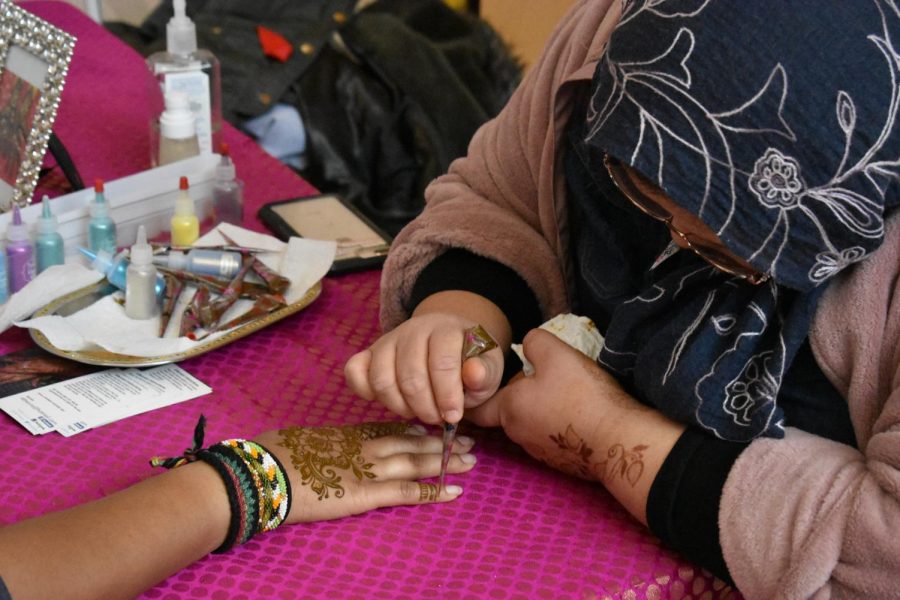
(539, 346)
(356, 374)
(481, 376)
(488, 413)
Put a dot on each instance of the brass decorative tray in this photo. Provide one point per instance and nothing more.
(79, 299)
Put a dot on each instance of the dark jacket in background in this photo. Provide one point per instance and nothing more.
(389, 94)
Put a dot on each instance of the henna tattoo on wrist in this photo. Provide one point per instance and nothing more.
(320, 454)
(577, 458)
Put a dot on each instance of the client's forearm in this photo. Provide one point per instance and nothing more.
(120, 545)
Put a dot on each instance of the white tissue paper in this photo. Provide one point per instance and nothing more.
(104, 324)
(579, 332)
(54, 282)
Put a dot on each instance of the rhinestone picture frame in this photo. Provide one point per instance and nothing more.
(34, 61)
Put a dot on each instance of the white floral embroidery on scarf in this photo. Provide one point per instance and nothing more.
(776, 180)
(829, 263)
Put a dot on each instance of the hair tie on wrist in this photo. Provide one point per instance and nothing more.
(259, 492)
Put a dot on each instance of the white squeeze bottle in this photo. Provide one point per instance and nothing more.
(140, 280)
(195, 71)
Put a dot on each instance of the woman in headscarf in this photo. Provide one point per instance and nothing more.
(695, 177)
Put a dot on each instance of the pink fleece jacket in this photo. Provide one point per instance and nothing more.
(799, 517)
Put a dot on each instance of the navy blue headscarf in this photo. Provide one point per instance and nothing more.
(774, 121)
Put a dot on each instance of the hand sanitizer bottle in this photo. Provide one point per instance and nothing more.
(51, 249)
(140, 280)
(185, 226)
(19, 252)
(101, 227)
(194, 71)
(228, 192)
(177, 130)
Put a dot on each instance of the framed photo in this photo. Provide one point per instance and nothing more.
(34, 60)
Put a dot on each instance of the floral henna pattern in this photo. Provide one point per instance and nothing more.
(577, 458)
(320, 454)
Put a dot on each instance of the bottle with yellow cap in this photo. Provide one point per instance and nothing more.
(185, 225)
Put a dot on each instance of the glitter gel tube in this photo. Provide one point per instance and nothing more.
(116, 269)
(101, 227)
(4, 279)
(19, 252)
(141, 301)
(218, 263)
(51, 249)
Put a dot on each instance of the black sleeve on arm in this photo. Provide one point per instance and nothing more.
(683, 503)
(4, 593)
(458, 269)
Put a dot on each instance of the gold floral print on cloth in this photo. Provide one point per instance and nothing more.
(323, 454)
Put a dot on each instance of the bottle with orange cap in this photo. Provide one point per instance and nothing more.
(185, 225)
(101, 227)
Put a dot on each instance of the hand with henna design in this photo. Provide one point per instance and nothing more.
(346, 470)
(574, 416)
(180, 515)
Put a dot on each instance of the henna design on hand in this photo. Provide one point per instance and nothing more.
(320, 453)
(577, 459)
(428, 492)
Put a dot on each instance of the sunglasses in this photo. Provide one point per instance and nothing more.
(714, 256)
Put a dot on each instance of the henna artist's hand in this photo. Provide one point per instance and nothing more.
(574, 416)
(567, 389)
(416, 370)
(341, 471)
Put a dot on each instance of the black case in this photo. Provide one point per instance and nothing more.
(283, 230)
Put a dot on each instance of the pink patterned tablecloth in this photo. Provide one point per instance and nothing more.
(520, 530)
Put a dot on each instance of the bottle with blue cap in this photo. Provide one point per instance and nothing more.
(116, 269)
(51, 249)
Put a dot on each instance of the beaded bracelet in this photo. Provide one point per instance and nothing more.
(259, 493)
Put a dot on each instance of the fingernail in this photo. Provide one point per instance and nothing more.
(416, 430)
(453, 490)
(452, 416)
(465, 440)
(469, 459)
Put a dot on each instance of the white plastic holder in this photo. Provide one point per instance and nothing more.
(146, 198)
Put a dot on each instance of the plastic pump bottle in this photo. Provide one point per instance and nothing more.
(228, 192)
(218, 263)
(140, 278)
(19, 252)
(51, 249)
(194, 71)
(177, 130)
(185, 226)
(116, 269)
(101, 227)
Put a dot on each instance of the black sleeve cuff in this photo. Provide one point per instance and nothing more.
(683, 503)
(458, 269)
